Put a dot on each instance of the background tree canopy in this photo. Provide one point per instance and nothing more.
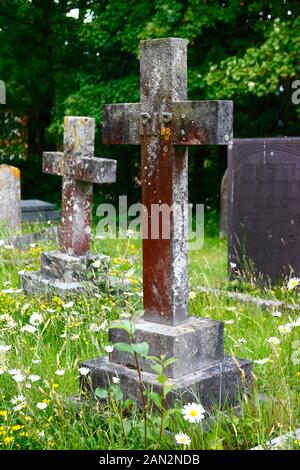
(55, 63)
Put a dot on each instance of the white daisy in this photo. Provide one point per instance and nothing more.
(60, 372)
(296, 322)
(33, 378)
(36, 319)
(108, 349)
(18, 399)
(192, 295)
(84, 371)
(116, 380)
(293, 282)
(193, 412)
(273, 340)
(69, 305)
(182, 438)
(4, 348)
(19, 377)
(41, 406)
(262, 361)
(276, 314)
(284, 329)
(14, 371)
(242, 341)
(29, 328)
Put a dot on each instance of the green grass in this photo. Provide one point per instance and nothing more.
(66, 336)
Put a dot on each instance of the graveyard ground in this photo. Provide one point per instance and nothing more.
(48, 339)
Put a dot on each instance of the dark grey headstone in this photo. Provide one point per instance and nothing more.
(264, 206)
(34, 210)
(224, 206)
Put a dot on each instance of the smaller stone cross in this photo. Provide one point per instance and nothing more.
(79, 170)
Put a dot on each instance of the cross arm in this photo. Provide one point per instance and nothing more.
(53, 163)
(202, 122)
(120, 124)
(96, 170)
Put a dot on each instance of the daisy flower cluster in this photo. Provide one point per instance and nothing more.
(193, 413)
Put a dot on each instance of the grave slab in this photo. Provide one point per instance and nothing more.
(34, 210)
(222, 383)
(196, 344)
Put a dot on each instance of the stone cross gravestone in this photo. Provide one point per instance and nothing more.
(224, 206)
(63, 271)
(10, 196)
(164, 124)
(264, 209)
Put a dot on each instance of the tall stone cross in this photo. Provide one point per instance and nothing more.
(164, 123)
(79, 170)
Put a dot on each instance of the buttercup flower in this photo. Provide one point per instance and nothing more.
(193, 412)
(182, 438)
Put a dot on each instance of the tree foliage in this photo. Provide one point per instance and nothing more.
(55, 64)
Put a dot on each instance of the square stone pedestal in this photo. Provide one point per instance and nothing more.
(63, 274)
(200, 372)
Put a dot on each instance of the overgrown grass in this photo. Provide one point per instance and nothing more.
(76, 330)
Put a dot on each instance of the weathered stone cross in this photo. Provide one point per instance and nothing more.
(79, 170)
(164, 124)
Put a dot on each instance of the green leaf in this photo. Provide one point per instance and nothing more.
(117, 392)
(101, 393)
(162, 379)
(168, 388)
(127, 426)
(123, 347)
(141, 348)
(155, 397)
(157, 368)
(126, 325)
(170, 361)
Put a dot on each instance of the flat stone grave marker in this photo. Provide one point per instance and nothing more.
(264, 207)
(10, 196)
(63, 272)
(164, 123)
(34, 210)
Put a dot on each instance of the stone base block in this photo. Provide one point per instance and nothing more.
(63, 267)
(34, 284)
(196, 344)
(220, 384)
